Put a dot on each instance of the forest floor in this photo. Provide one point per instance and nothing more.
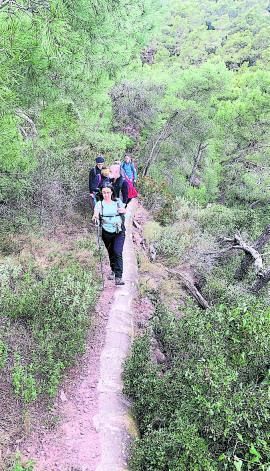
(94, 427)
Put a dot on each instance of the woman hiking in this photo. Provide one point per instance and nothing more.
(130, 174)
(119, 183)
(110, 213)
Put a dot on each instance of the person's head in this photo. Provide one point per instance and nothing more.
(127, 158)
(115, 171)
(105, 172)
(100, 161)
(107, 193)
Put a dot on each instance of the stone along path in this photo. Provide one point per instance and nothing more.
(95, 427)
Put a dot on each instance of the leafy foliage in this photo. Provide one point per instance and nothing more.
(56, 314)
(58, 63)
(209, 409)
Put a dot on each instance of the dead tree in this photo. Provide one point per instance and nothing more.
(196, 164)
(252, 255)
(248, 258)
(165, 132)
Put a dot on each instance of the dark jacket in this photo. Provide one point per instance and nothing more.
(120, 184)
(94, 179)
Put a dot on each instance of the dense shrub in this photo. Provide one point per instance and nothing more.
(210, 408)
(55, 311)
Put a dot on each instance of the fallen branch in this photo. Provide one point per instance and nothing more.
(248, 249)
(24, 116)
(190, 287)
(248, 259)
(3, 3)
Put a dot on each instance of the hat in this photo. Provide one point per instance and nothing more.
(100, 159)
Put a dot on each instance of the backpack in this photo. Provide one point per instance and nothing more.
(122, 216)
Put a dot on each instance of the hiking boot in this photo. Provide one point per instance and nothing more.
(119, 282)
(111, 276)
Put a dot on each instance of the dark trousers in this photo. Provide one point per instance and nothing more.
(114, 244)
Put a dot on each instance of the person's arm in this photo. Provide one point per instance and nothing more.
(92, 178)
(135, 175)
(122, 170)
(96, 214)
(121, 207)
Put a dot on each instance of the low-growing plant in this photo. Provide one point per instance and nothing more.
(152, 231)
(173, 244)
(3, 354)
(20, 465)
(23, 381)
(56, 314)
(209, 409)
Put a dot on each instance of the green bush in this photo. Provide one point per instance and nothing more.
(56, 313)
(210, 408)
(172, 244)
(3, 354)
(19, 465)
(157, 196)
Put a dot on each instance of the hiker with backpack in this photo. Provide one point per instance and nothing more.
(105, 178)
(109, 213)
(95, 180)
(129, 172)
(119, 183)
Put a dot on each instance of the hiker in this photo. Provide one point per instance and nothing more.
(105, 177)
(129, 172)
(109, 213)
(119, 183)
(128, 169)
(95, 180)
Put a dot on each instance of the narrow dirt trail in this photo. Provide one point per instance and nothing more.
(94, 429)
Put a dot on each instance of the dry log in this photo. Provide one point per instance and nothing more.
(248, 259)
(3, 3)
(248, 249)
(24, 116)
(261, 282)
(190, 287)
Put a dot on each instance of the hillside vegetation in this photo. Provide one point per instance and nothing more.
(58, 63)
(199, 376)
(183, 87)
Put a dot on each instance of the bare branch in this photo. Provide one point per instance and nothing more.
(162, 136)
(240, 244)
(248, 259)
(24, 116)
(4, 3)
(190, 287)
(196, 164)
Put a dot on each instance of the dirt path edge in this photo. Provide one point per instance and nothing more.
(113, 421)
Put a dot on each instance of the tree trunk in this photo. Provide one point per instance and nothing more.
(196, 164)
(248, 259)
(163, 135)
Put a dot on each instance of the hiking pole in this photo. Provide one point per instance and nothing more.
(99, 251)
